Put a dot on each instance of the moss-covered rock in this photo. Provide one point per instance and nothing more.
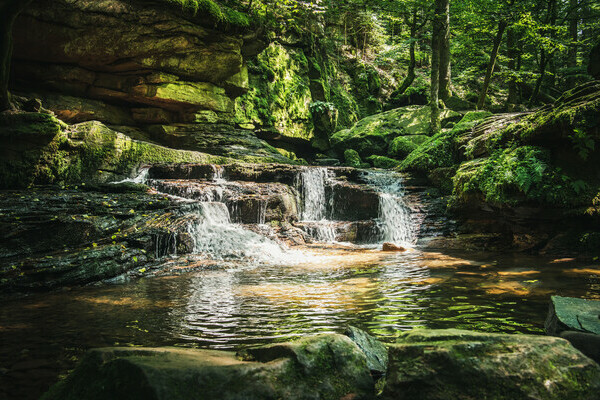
(39, 149)
(279, 93)
(383, 162)
(454, 364)
(442, 150)
(372, 135)
(319, 367)
(402, 146)
(352, 158)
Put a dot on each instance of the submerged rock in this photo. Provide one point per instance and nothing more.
(454, 364)
(319, 367)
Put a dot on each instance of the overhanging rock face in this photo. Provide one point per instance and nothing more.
(145, 56)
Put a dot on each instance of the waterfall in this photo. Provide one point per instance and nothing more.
(311, 183)
(142, 177)
(216, 238)
(395, 217)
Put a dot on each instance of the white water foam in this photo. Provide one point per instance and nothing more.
(216, 238)
(142, 177)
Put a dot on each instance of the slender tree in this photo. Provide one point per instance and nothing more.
(490, 68)
(444, 49)
(437, 36)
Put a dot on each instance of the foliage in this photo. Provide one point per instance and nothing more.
(220, 13)
(582, 142)
(516, 175)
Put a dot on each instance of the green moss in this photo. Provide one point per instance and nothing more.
(383, 162)
(472, 116)
(352, 158)
(402, 146)
(280, 93)
(438, 151)
(516, 175)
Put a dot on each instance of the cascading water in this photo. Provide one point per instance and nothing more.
(311, 183)
(396, 222)
(216, 238)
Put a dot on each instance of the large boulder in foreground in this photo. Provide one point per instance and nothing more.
(455, 364)
(319, 367)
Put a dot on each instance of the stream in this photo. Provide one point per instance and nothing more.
(243, 288)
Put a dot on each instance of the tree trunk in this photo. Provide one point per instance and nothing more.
(490, 68)
(573, 32)
(538, 83)
(444, 90)
(513, 88)
(9, 9)
(410, 76)
(436, 37)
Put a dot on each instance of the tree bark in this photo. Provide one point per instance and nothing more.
(513, 88)
(490, 68)
(573, 32)
(436, 37)
(444, 90)
(9, 10)
(410, 75)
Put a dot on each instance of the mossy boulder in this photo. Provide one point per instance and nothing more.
(383, 162)
(319, 367)
(372, 135)
(454, 364)
(402, 146)
(444, 149)
(352, 158)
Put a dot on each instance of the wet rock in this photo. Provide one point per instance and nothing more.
(454, 364)
(572, 314)
(183, 171)
(53, 238)
(320, 367)
(388, 246)
(352, 202)
(375, 351)
(248, 203)
(342, 231)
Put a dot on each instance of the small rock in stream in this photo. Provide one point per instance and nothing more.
(388, 246)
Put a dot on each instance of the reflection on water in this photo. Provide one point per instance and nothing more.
(42, 336)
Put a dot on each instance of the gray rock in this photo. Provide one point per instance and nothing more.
(455, 364)
(375, 351)
(572, 314)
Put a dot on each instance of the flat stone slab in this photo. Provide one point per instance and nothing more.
(573, 314)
